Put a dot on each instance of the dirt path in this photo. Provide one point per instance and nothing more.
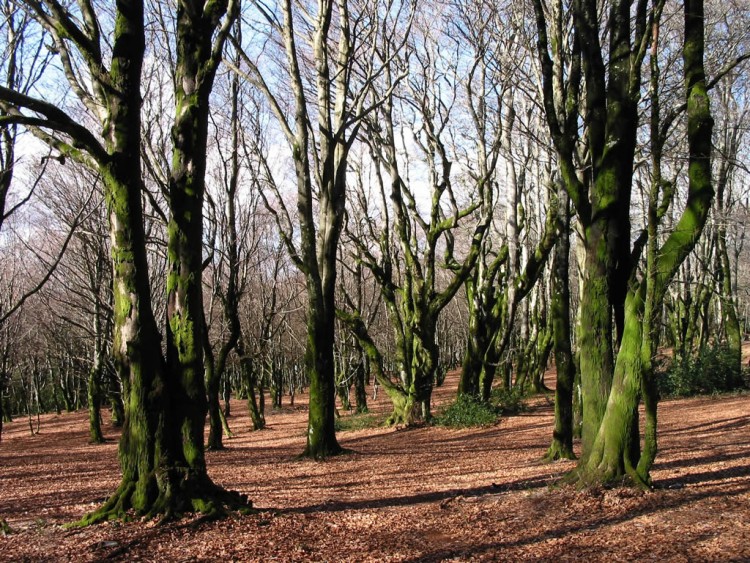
(428, 494)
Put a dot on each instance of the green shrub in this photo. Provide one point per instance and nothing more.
(467, 411)
(508, 401)
(714, 370)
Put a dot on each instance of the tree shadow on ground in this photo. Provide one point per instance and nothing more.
(592, 523)
(409, 500)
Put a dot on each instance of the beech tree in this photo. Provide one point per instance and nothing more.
(562, 435)
(602, 196)
(732, 116)
(613, 287)
(616, 450)
(161, 448)
(403, 251)
(342, 46)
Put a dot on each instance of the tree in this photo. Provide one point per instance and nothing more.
(602, 195)
(403, 252)
(562, 435)
(727, 149)
(616, 450)
(343, 67)
(161, 449)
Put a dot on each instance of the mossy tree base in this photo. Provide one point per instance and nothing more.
(178, 495)
(407, 409)
(607, 474)
(558, 450)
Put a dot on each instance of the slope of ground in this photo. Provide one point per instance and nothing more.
(427, 494)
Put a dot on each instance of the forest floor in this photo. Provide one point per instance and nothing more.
(424, 494)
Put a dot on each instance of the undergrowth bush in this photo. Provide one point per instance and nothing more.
(467, 411)
(508, 401)
(713, 370)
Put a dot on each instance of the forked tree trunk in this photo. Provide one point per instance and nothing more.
(136, 349)
(161, 449)
(615, 454)
(485, 321)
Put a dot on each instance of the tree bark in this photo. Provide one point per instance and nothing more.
(161, 448)
(616, 454)
(562, 435)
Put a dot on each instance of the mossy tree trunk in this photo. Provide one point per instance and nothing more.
(616, 454)
(321, 186)
(596, 333)
(353, 290)
(487, 318)
(201, 30)
(319, 365)
(727, 150)
(601, 195)
(395, 391)
(562, 435)
(502, 278)
(407, 260)
(161, 448)
(136, 349)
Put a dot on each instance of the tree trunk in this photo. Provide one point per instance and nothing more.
(213, 385)
(95, 375)
(595, 333)
(615, 454)
(94, 400)
(727, 153)
(481, 357)
(227, 397)
(114, 392)
(161, 449)
(319, 365)
(562, 435)
(249, 377)
(3, 409)
(136, 346)
(360, 381)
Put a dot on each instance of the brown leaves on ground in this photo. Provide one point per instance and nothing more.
(427, 494)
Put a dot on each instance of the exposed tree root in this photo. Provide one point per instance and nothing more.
(173, 498)
(604, 474)
(558, 450)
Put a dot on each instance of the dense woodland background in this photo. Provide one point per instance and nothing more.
(211, 200)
